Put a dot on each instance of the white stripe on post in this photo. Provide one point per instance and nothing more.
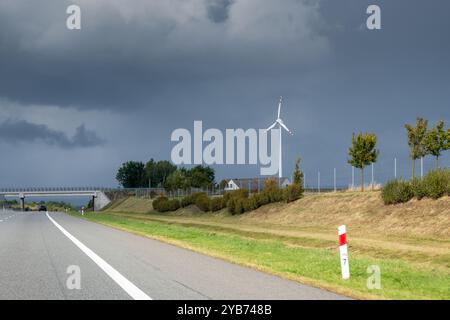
(343, 250)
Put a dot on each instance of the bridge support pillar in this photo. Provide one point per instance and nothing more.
(93, 203)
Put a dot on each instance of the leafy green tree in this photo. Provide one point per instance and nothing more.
(131, 175)
(416, 136)
(297, 176)
(201, 177)
(150, 173)
(177, 180)
(436, 141)
(362, 152)
(197, 177)
(447, 143)
(157, 172)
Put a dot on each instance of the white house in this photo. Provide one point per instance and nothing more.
(252, 184)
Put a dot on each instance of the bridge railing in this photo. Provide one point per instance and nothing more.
(73, 189)
(53, 189)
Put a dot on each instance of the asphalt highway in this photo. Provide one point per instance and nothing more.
(57, 256)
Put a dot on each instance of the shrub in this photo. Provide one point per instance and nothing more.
(234, 200)
(224, 201)
(159, 203)
(197, 195)
(240, 193)
(231, 205)
(419, 188)
(263, 199)
(174, 205)
(216, 204)
(435, 184)
(192, 199)
(246, 205)
(292, 192)
(240, 205)
(253, 202)
(272, 191)
(203, 203)
(163, 204)
(186, 201)
(397, 191)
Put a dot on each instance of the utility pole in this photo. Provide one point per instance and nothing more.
(421, 167)
(353, 177)
(318, 181)
(304, 180)
(334, 179)
(372, 177)
(395, 168)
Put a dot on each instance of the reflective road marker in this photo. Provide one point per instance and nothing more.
(343, 250)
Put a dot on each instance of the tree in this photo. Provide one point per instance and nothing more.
(150, 173)
(436, 141)
(177, 180)
(201, 177)
(297, 176)
(447, 140)
(416, 136)
(362, 152)
(197, 177)
(157, 172)
(447, 144)
(131, 174)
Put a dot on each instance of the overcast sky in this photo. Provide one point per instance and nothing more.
(75, 104)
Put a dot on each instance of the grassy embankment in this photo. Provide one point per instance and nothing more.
(410, 242)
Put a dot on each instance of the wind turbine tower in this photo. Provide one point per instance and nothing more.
(281, 126)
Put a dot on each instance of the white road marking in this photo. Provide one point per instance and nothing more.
(124, 283)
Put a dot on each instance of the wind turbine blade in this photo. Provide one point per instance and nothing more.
(272, 126)
(279, 107)
(284, 126)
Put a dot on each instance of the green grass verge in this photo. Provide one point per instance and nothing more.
(315, 266)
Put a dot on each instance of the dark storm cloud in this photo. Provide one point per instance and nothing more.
(127, 55)
(218, 10)
(85, 138)
(25, 132)
(139, 69)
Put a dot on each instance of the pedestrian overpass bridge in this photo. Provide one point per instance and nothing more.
(100, 199)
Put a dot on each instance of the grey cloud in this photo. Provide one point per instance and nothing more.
(129, 53)
(86, 138)
(154, 66)
(218, 10)
(26, 132)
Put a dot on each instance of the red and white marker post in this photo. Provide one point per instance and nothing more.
(343, 250)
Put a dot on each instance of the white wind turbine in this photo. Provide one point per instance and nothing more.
(281, 125)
